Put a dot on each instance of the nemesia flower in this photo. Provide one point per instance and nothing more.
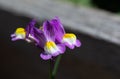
(51, 37)
(51, 48)
(69, 39)
(43, 38)
(25, 34)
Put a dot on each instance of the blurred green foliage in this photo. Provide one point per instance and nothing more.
(81, 2)
(111, 6)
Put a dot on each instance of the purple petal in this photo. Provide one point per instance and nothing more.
(57, 25)
(78, 43)
(45, 56)
(37, 35)
(62, 48)
(59, 30)
(69, 46)
(15, 39)
(33, 22)
(49, 30)
(30, 26)
(12, 35)
(40, 37)
(55, 54)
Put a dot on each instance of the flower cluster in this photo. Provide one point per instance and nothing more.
(51, 37)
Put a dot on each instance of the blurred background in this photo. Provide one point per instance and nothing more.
(96, 24)
(109, 5)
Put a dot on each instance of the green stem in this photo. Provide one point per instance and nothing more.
(54, 71)
(56, 65)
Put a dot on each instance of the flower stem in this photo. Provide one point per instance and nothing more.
(56, 65)
(54, 71)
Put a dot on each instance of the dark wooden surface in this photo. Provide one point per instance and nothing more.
(96, 59)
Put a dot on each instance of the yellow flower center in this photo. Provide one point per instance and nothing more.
(69, 35)
(20, 31)
(69, 38)
(50, 44)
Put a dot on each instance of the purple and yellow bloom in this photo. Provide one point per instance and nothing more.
(25, 34)
(46, 37)
(43, 38)
(69, 39)
(52, 38)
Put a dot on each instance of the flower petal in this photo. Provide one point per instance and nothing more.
(69, 39)
(53, 49)
(55, 54)
(34, 34)
(19, 34)
(45, 56)
(40, 37)
(16, 38)
(71, 46)
(57, 25)
(49, 30)
(78, 43)
(50, 47)
(59, 30)
(62, 48)
(29, 28)
(12, 35)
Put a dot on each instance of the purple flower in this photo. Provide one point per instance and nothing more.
(69, 39)
(25, 34)
(43, 38)
(51, 38)
(47, 42)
